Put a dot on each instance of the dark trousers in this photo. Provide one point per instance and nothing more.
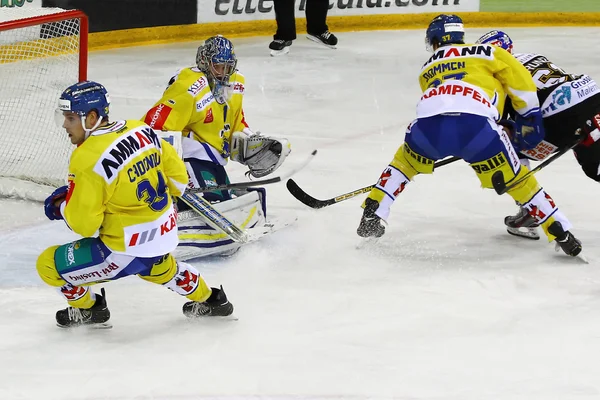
(316, 16)
(588, 156)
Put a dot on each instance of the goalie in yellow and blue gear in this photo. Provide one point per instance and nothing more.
(464, 88)
(205, 103)
(121, 179)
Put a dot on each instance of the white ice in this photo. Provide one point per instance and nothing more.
(446, 306)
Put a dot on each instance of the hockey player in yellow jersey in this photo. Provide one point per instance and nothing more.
(121, 179)
(205, 103)
(464, 88)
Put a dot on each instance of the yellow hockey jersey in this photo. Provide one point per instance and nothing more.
(188, 105)
(121, 179)
(475, 79)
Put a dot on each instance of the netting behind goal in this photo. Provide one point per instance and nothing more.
(42, 52)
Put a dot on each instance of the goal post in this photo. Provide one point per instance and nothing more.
(42, 52)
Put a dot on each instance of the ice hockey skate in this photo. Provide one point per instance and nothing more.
(95, 317)
(326, 38)
(370, 223)
(522, 224)
(280, 47)
(216, 305)
(565, 241)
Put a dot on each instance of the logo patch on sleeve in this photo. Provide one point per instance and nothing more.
(157, 116)
(70, 189)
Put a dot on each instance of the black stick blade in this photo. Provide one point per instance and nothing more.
(304, 197)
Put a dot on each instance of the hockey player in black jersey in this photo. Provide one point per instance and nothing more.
(570, 107)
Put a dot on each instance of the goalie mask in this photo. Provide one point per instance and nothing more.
(82, 98)
(217, 59)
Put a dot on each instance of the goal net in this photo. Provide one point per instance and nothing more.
(42, 52)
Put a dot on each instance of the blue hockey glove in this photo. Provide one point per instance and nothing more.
(52, 211)
(529, 132)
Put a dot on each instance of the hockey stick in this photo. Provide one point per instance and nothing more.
(310, 201)
(213, 217)
(243, 185)
(500, 185)
(217, 220)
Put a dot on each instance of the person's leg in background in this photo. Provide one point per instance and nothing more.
(286, 27)
(316, 23)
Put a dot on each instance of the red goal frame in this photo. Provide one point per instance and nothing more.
(57, 17)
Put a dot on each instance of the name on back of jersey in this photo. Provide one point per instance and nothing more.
(458, 90)
(477, 51)
(443, 67)
(122, 151)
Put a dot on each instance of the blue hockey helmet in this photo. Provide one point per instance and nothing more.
(83, 97)
(497, 38)
(217, 59)
(445, 29)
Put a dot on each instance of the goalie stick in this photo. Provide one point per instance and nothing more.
(244, 185)
(310, 201)
(500, 185)
(213, 217)
(217, 220)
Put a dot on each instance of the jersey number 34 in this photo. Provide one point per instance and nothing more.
(156, 197)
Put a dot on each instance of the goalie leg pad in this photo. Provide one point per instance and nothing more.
(197, 239)
(262, 154)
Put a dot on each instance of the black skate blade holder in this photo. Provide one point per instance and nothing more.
(500, 185)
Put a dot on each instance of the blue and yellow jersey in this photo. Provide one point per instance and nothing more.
(189, 106)
(475, 79)
(121, 179)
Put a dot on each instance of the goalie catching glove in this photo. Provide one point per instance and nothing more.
(262, 154)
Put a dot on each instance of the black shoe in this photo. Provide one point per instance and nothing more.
(521, 220)
(279, 46)
(98, 314)
(327, 38)
(565, 240)
(216, 305)
(370, 223)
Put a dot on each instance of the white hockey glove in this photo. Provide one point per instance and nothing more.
(262, 154)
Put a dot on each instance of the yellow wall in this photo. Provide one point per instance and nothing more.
(181, 33)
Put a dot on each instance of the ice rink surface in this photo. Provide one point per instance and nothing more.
(446, 306)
